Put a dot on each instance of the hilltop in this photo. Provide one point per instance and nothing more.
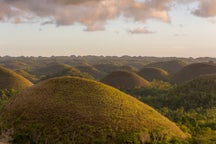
(193, 71)
(153, 73)
(125, 80)
(77, 110)
(11, 80)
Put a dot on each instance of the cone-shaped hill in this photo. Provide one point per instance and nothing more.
(200, 92)
(11, 80)
(56, 69)
(153, 73)
(77, 110)
(125, 80)
(92, 71)
(172, 66)
(26, 75)
(193, 71)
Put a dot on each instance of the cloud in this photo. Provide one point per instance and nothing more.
(140, 31)
(207, 8)
(92, 13)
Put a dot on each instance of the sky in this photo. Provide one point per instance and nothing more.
(163, 28)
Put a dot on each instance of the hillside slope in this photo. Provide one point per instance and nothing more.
(77, 110)
(11, 80)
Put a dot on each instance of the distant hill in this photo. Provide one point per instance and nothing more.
(27, 75)
(77, 110)
(56, 69)
(92, 71)
(12, 80)
(153, 73)
(193, 71)
(172, 66)
(108, 68)
(125, 80)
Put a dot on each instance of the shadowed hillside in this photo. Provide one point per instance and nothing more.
(12, 80)
(153, 73)
(172, 66)
(193, 71)
(77, 110)
(125, 80)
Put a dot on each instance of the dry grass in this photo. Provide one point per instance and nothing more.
(77, 110)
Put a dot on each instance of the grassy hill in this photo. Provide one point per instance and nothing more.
(12, 80)
(172, 66)
(56, 69)
(77, 110)
(108, 68)
(153, 73)
(193, 71)
(27, 75)
(92, 71)
(125, 80)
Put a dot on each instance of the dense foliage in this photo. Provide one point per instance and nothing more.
(192, 106)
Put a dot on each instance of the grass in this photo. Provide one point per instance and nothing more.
(125, 80)
(77, 110)
(12, 80)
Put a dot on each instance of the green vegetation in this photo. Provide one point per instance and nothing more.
(12, 80)
(191, 105)
(125, 80)
(77, 110)
(153, 73)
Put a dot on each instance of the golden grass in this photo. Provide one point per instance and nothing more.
(77, 110)
(12, 80)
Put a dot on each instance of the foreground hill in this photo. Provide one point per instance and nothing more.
(153, 73)
(172, 66)
(12, 80)
(193, 71)
(125, 80)
(77, 110)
